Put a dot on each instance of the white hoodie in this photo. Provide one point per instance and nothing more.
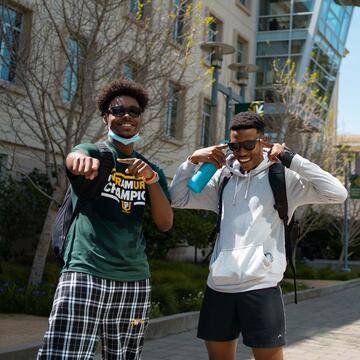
(249, 252)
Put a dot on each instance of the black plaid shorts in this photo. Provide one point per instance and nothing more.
(87, 308)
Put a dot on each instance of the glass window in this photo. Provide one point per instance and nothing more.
(214, 33)
(297, 46)
(274, 23)
(180, 7)
(130, 71)
(275, 7)
(137, 8)
(303, 6)
(173, 109)
(325, 8)
(265, 76)
(205, 124)
(259, 94)
(71, 70)
(240, 48)
(338, 9)
(11, 23)
(333, 22)
(214, 30)
(345, 27)
(301, 21)
(273, 48)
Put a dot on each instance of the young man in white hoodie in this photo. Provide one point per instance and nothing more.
(248, 261)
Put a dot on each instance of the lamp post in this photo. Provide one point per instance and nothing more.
(347, 170)
(217, 50)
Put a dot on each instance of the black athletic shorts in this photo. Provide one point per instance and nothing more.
(258, 315)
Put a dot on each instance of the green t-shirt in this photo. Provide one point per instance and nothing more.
(106, 237)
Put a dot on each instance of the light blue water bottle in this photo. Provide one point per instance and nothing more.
(201, 177)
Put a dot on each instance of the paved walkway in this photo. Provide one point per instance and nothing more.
(325, 328)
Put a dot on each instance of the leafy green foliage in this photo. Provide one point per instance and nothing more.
(22, 211)
(191, 227)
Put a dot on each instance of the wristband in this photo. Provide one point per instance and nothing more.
(152, 180)
(286, 157)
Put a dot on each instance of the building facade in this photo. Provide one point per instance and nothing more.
(180, 115)
(312, 33)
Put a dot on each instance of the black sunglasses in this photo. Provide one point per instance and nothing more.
(119, 110)
(247, 145)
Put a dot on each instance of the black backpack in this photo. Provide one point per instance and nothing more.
(68, 211)
(278, 187)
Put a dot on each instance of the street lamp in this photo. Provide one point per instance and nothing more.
(217, 50)
(347, 170)
(346, 235)
(242, 75)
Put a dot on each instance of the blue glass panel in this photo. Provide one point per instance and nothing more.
(325, 8)
(337, 9)
(277, 7)
(301, 21)
(345, 27)
(303, 6)
(10, 22)
(128, 72)
(274, 23)
(133, 6)
(273, 48)
(71, 70)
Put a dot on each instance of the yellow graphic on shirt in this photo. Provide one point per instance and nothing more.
(126, 206)
(127, 190)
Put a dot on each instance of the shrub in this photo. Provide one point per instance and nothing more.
(22, 212)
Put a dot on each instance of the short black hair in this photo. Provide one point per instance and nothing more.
(247, 120)
(121, 87)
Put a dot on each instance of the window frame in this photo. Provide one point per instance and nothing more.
(23, 41)
(173, 125)
(203, 127)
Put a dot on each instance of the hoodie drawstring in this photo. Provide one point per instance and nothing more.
(236, 190)
(247, 185)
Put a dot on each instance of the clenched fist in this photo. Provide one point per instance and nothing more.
(79, 163)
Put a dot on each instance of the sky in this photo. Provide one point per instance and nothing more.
(349, 86)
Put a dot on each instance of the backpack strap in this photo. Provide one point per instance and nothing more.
(221, 191)
(278, 187)
(216, 230)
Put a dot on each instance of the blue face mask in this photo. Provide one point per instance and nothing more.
(125, 141)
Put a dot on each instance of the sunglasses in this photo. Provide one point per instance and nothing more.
(247, 145)
(119, 110)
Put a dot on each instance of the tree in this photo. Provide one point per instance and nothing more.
(297, 108)
(77, 46)
(344, 156)
(297, 117)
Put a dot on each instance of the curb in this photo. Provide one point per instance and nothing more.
(174, 324)
(320, 291)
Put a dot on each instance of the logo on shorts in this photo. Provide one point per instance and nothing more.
(137, 322)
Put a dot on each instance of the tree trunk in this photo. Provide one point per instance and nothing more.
(42, 249)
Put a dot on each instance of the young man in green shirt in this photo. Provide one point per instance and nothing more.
(104, 288)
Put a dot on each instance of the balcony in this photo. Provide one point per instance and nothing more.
(348, 2)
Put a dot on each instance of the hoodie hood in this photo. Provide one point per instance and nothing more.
(234, 166)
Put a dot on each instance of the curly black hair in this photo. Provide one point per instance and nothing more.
(121, 87)
(247, 120)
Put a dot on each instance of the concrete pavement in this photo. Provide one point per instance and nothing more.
(324, 328)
